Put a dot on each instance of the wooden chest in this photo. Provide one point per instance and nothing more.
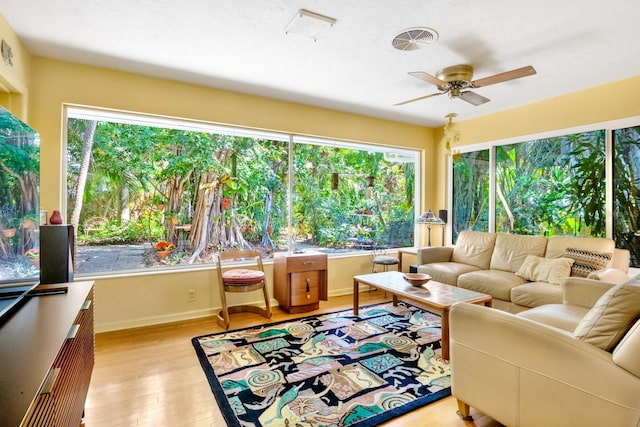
(300, 280)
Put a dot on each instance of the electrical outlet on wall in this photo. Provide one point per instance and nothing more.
(191, 295)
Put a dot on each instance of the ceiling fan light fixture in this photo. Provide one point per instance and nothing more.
(310, 25)
(414, 38)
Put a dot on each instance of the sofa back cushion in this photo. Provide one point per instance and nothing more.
(612, 316)
(511, 250)
(627, 353)
(474, 248)
(557, 245)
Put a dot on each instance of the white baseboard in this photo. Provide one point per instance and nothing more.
(185, 315)
(154, 320)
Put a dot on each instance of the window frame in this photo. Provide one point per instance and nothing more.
(607, 126)
(72, 111)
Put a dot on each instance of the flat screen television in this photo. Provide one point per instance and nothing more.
(19, 196)
(12, 297)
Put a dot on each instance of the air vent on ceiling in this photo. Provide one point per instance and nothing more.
(414, 38)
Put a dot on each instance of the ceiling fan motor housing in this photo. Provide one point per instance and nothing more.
(456, 73)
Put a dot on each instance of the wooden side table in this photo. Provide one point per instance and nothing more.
(300, 280)
(402, 251)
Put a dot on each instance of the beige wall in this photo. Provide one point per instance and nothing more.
(152, 298)
(14, 79)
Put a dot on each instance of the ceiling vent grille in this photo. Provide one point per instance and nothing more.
(414, 38)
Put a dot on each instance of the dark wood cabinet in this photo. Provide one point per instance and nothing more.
(47, 357)
(300, 280)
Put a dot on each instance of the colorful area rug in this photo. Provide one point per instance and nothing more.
(333, 369)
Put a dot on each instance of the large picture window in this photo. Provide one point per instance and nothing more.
(147, 184)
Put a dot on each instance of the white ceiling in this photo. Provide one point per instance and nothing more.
(240, 45)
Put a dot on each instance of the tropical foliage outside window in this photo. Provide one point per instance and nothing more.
(626, 200)
(342, 194)
(471, 192)
(552, 186)
(208, 188)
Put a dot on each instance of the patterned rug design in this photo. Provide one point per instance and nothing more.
(333, 369)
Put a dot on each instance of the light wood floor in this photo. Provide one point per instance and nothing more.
(151, 376)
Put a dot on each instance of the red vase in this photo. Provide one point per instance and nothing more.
(56, 218)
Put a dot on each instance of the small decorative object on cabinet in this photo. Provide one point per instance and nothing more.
(300, 280)
(56, 218)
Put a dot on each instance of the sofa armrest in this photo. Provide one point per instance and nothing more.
(513, 369)
(620, 259)
(431, 254)
(612, 275)
(584, 292)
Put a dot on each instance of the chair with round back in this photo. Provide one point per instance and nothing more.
(380, 252)
(240, 279)
(381, 257)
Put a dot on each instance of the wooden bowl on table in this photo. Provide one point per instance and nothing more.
(416, 279)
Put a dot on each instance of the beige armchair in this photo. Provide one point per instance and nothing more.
(530, 369)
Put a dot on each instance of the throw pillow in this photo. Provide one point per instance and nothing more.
(551, 270)
(610, 318)
(587, 262)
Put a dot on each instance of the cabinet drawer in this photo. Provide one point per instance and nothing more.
(306, 263)
(299, 293)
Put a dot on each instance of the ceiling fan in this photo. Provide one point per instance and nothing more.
(456, 80)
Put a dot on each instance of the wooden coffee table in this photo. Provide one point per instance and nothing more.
(434, 296)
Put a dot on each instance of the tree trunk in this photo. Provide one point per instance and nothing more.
(266, 238)
(85, 162)
(201, 217)
(505, 204)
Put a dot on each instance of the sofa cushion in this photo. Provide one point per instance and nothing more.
(510, 250)
(496, 283)
(550, 270)
(446, 272)
(562, 316)
(557, 245)
(586, 261)
(626, 353)
(611, 317)
(474, 248)
(535, 294)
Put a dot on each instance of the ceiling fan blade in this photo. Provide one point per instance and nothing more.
(428, 78)
(503, 77)
(420, 98)
(473, 98)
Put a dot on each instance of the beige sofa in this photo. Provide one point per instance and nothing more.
(571, 364)
(493, 264)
